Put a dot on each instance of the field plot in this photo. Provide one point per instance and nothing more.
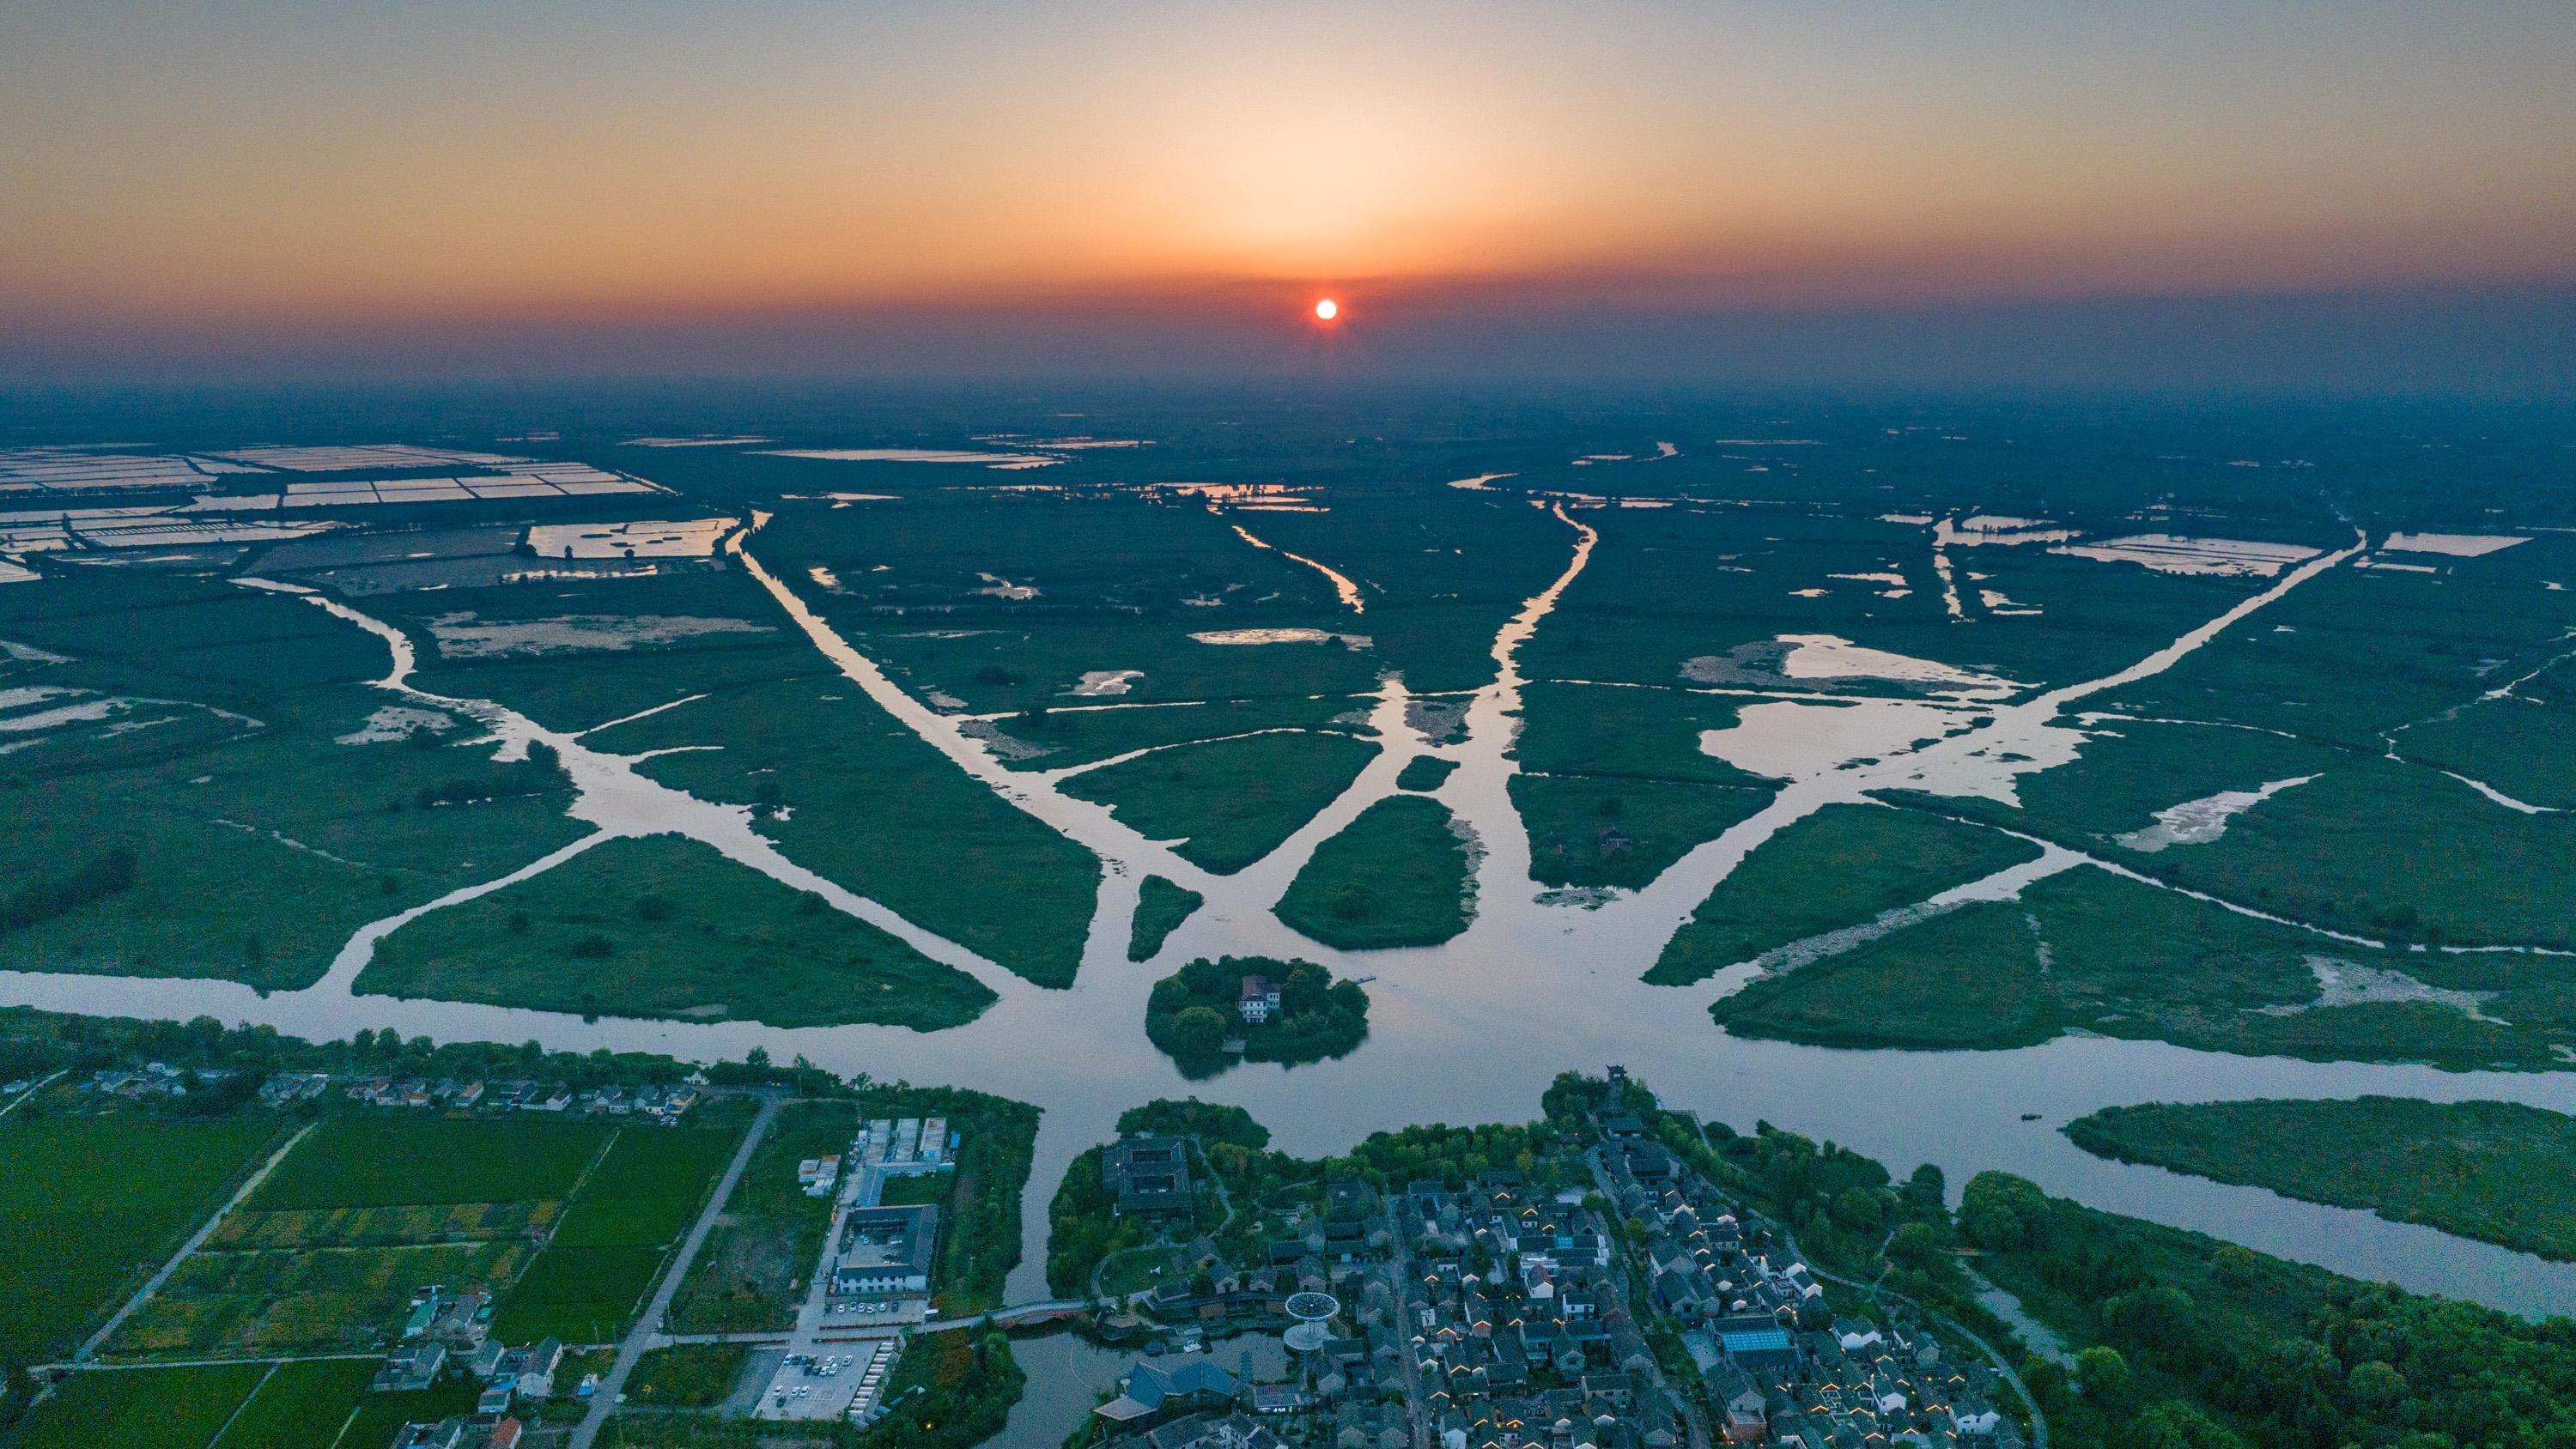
(752, 1272)
(301, 1406)
(665, 926)
(1396, 876)
(2128, 959)
(326, 1255)
(2523, 747)
(1838, 868)
(88, 1206)
(587, 1284)
(2493, 1170)
(1231, 802)
(171, 1408)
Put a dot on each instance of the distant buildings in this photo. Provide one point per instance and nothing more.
(1259, 1000)
(885, 1252)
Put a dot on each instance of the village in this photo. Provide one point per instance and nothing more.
(1629, 1306)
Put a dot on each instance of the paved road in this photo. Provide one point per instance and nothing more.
(648, 1328)
(144, 1294)
(33, 1092)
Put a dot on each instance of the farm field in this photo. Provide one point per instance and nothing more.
(587, 1283)
(1396, 876)
(2491, 1170)
(89, 1206)
(171, 1408)
(301, 1406)
(664, 926)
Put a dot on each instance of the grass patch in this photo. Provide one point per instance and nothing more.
(580, 1295)
(1229, 802)
(751, 1273)
(90, 1205)
(1424, 773)
(2129, 959)
(1161, 906)
(688, 1375)
(1077, 736)
(661, 925)
(1841, 866)
(1193, 1011)
(1587, 830)
(2496, 1171)
(1638, 734)
(1396, 876)
(172, 1408)
(2524, 747)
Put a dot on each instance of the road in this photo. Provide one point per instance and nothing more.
(144, 1294)
(648, 1327)
(32, 1092)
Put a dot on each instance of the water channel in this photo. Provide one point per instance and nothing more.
(1469, 1031)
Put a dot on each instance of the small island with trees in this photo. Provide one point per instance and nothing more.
(1278, 1011)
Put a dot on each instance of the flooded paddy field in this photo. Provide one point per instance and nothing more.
(1978, 832)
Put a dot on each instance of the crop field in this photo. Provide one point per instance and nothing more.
(1396, 876)
(88, 1206)
(664, 926)
(587, 1284)
(1230, 802)
(753, 1268)
(687, 1376)
(170, 1408)
(373, 1161)
(2493, 1170)
(1837, 868)
(309, 1300)
(301, 1406)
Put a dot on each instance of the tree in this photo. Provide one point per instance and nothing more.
(1926, 1193)
(2102, 1374)
(2002, 1213)
(1855, 1211)
(2161, 1317)
(1198, 1032)
(2174, 1424)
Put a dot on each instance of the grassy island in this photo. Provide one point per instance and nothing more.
(1161, 907)
(1196, 1010)
(1396, 876)
(2493, 1170)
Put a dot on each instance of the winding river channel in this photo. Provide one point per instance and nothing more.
(1471, 1030)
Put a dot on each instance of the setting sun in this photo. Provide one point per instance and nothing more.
(1327, 309)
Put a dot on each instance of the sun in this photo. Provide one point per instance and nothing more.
(1327, 309)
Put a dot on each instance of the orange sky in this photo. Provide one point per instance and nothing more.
(283, 161)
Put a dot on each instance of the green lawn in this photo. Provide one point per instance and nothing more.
(1230, 802)
(173, 1408)
(1841, 866)
(89, 1205)
(661, 925)
(1396, 876)
(2493, 1170)
(1161, 907)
